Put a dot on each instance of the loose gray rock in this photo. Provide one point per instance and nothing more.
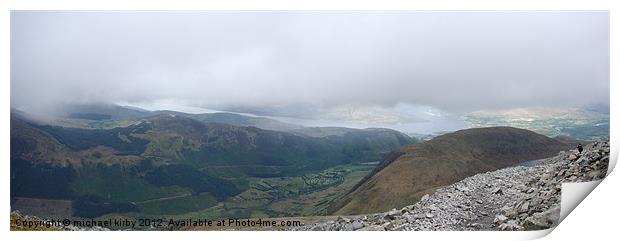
(513, 198)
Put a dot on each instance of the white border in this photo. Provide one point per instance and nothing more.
(566, 232)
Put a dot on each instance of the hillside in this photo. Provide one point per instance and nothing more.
(172, 164)
(513, 198)
(107, 116)
(590, 123)
(410, 172)
(244, 120)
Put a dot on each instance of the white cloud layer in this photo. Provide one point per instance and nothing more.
(456, 61)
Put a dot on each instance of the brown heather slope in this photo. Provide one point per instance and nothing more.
(408, 173)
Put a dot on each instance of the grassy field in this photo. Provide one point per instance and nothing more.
(306, 195)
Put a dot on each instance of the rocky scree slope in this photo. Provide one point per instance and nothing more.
(514, 198)
(412, 171)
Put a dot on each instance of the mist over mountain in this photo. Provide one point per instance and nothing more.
(113, 159)
(91, 160)
(295, 62)
(272, 114)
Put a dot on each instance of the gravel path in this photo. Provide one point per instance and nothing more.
(514, 198)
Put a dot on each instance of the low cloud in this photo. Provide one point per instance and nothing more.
(455, 61)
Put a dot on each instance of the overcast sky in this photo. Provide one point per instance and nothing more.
(453, 61)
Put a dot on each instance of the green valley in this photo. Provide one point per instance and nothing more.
(174, 165)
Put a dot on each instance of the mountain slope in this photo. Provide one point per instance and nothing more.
(162, 156)
(590, 123)
(115, 113)
(513, 198)
(107, 116)
(408, 173)
(243, 120)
